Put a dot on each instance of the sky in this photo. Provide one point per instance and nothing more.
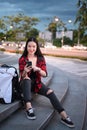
(45, 10)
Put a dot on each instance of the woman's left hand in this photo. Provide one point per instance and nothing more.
(35, 68)
(41, 72)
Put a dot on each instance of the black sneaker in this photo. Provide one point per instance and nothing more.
(67, 122)
(30, 114)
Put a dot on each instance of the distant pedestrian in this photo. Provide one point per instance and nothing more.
(32, 67)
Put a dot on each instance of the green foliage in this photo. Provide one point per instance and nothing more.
(55, 25)
(52, 28)
(12, 25)
(68, 41)
(83, 37)
(84, 40)
(11, 35)
(2, 36)
(2, 49)
(33, 32)
(17, 51)
(57, 42)
(81, 18)
(2, 25)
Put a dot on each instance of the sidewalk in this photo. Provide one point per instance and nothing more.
(62, 52)
(59, 52)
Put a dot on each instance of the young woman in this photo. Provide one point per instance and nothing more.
(30, 80)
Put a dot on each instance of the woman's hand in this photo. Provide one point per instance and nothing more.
(27, 68)
(41, 72)
(35, 68)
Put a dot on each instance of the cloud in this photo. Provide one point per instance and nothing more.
(64, 9)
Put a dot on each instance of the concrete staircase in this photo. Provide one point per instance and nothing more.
(74, 104)
(7, 109)
(69, 91)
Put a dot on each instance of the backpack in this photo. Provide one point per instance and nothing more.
(13, 89)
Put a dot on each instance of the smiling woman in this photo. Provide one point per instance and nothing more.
(31, 80)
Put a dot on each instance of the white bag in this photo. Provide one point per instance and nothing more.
(6, 75)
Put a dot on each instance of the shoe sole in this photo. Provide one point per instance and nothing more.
(71, 126)
(31, 118)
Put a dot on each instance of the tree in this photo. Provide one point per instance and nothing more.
(81, 18)
(2, 25)
(52, 28)
(56, 25)
(19, 23)
(2, 36)
(33, 32)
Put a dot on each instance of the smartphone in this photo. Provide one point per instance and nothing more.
(29, 63)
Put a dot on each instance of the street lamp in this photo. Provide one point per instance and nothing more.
(11, 27)
(69, 21)
(58, 21)
(78, 42)
(61, 24)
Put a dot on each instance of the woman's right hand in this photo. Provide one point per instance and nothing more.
(27, 68)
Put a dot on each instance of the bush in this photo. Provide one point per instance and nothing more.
(2, 49)
(68, 41)
(57, 42)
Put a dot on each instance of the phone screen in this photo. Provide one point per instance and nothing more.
(29, 63)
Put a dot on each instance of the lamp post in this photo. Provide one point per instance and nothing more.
(78, 42)
(61, 24)
(69, 21)
(58, 21)
(63, 34)
(11, 27)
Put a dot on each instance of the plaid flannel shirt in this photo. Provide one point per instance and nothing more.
(40, 63)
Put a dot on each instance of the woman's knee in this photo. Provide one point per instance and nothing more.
(49, 91)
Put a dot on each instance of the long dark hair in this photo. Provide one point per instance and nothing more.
(38, 51)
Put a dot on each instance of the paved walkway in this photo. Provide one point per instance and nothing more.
(62, 52)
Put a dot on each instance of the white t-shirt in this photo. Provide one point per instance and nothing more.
(6, 75)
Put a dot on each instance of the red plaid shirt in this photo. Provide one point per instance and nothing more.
(40, 63)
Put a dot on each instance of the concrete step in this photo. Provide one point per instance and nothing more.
(85, 119)
(43, 108)
(74, 104)
(7, 109)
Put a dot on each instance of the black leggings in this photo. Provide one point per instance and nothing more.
(27, 88)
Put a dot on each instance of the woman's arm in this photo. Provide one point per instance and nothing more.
(41, 72)
(41, 67)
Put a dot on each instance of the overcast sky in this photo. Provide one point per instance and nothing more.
(43, 9)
